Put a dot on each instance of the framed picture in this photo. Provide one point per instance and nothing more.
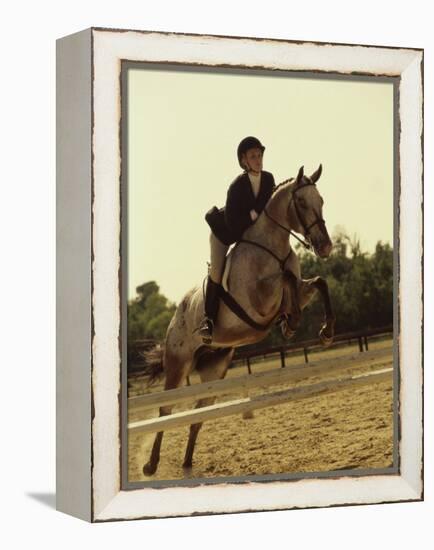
(286, 373)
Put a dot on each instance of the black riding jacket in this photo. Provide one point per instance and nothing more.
(230, 222)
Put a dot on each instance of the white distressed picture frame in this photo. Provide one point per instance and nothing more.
(89, 420)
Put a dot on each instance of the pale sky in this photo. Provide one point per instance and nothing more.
(183, 132)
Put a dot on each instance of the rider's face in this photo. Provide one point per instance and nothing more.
(252, 160)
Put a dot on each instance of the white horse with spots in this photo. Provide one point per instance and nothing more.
(265, 280)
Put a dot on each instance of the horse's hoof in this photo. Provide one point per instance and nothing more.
(326, 341)
(149, 469)
(286, 330)
(187, 465)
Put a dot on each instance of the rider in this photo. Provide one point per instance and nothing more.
(246, 198)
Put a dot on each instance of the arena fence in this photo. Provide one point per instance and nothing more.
(135, 348)
(308, 346)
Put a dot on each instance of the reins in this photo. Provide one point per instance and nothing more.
(306, 245)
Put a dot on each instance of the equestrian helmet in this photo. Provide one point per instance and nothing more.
(247, 143)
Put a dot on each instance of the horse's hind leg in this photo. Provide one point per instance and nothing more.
(213, 367)
(176, 371)
(194, 430)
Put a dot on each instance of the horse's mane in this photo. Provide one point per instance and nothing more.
(281, 184)
(304, 180)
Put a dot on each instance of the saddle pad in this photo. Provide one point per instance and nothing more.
(226, 271)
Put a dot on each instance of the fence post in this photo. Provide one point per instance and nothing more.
(282, 358)
(366, 343)
(248, 365)
(360, 344)
(188, 381)
(306, 358)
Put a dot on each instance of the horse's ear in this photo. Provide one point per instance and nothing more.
(299, 176)
(316, 175)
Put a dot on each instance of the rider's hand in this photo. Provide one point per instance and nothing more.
(253, 215)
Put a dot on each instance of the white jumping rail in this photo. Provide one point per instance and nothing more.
(242, 384)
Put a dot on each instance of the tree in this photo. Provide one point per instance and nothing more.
(360, 284)
(149, 314)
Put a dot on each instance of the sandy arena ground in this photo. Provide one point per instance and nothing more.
(349, 429)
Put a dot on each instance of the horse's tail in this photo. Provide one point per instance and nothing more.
(153, 359)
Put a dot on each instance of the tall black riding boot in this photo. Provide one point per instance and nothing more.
(211, 310)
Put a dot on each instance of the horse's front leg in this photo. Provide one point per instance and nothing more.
(307, 291)
(291, 306)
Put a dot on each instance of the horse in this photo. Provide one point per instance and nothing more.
(264, 278)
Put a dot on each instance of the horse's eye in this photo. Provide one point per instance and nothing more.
(302, 203)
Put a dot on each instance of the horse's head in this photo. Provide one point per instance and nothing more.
(305, 212)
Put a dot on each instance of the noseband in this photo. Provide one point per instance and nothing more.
(302, 221)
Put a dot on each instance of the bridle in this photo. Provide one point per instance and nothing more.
(306, 228)
(301, 219)
(230, 302)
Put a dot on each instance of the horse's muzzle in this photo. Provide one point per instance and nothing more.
(324, 249)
